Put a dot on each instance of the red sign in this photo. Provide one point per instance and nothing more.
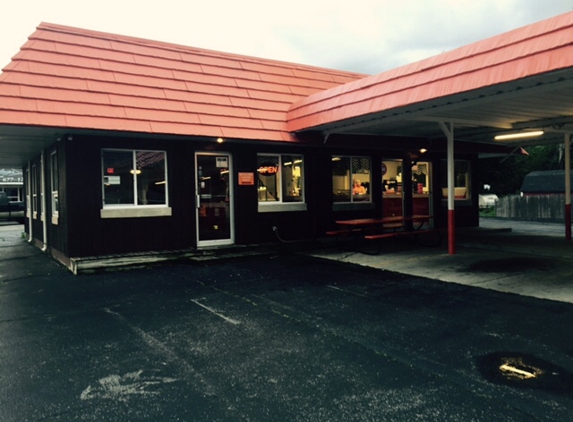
(110, 170)
(246, 179)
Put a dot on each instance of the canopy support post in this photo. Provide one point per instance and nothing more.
(449, 132)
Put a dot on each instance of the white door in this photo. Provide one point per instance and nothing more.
(214, 199)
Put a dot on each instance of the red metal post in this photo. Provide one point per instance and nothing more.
(451, 232)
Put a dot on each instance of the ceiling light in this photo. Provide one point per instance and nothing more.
(220, 140)
(519, 135)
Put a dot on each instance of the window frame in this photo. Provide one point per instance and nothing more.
(281, 204)
(28, 193)
(34, 189)
(135, 209)
(352, 202)
(467, 199)
(54, 187)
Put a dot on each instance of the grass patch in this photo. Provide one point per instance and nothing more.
(487, 212)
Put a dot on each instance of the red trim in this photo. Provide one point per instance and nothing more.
(451, 232)
(568, 221)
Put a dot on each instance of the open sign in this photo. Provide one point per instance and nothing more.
(268, 170)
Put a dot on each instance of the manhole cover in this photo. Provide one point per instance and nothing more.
(525, 371)
(515, 264)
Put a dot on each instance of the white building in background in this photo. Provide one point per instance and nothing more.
(12, 182)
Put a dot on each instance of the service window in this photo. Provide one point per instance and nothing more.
(280, 181)
(28, 190)
(462, 179)
(55, 186)
(34, 181)
(136, 180)
(351, 179)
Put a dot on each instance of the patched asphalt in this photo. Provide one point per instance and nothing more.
(285, 337)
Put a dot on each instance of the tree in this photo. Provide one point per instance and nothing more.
(505, 174)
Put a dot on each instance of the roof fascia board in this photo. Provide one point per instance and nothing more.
(436, 110)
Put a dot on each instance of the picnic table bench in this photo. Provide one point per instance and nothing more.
(381, 228)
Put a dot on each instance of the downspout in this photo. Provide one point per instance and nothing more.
(449, 132)
(44, 211)
(568, 186)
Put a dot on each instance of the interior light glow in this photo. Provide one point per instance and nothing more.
(160, 183)
(336, 158)
(423, 150)
(220, 140)
(519, 135)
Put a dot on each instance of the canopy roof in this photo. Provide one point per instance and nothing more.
(517, 80)
(67, 80)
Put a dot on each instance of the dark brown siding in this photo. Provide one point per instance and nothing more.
(82, 232)
(91, 235)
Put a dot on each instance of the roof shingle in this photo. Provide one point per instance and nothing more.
(75, 78)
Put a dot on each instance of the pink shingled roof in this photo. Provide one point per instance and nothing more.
(74, 78)
(539, 48)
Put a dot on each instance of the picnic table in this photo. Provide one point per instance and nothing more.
(381, 228)
(373, 224)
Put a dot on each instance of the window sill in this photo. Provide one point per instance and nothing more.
(282, 207)
(135, 212)
(353, 206)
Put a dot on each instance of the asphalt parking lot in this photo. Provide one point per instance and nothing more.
(276, 338)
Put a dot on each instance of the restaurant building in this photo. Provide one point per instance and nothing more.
(136, 146)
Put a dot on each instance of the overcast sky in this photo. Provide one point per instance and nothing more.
(367, 36)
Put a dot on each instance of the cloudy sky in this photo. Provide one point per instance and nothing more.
(367, 36)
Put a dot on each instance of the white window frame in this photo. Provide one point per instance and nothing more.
(467, 189)
(28, 193)
(54, 187)
(280, 205)
(135, 210)
(34, 189)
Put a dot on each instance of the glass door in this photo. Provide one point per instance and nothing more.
(422, 188)
(214, 199)
(392, 188)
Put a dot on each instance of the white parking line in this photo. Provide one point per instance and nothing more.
(232, 321)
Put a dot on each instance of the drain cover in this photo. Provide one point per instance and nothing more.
(525, 371)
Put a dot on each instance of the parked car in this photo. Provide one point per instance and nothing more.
(11, 211)
(487, 200)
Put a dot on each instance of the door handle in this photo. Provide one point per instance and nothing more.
(198, 201)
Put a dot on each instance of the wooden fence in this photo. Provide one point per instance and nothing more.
(538, 207)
